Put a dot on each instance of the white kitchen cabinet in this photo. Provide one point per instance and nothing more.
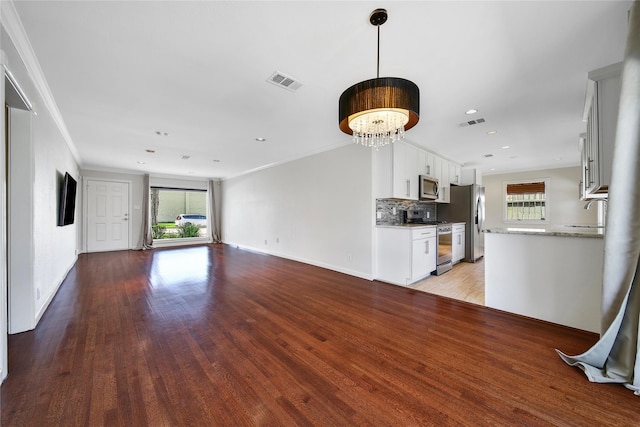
(442, 167)
(457, 242)
(399, 165)
(601, 115)
(455, 174)
(430, 164)
(405, 171)
(405, 255)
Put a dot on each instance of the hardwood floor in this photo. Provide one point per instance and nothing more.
(212, 335)
(465, 282)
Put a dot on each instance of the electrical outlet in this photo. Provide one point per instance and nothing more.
(265, 242)
(277, 240)
(393, 210)
(378, 215)
(349, 257)
(428, 214)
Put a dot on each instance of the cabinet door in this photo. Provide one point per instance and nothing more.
(405, 171)
(445, 195)
(383, 176)
(430, 164)
(454, 174)
(423, 258)
(458, 247)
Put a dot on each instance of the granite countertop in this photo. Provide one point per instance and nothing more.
(562, 231)
(405, 225)
(414, 225)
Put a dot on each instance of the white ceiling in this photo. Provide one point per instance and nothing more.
(120, 71)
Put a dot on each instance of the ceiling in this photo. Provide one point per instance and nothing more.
(196, 72)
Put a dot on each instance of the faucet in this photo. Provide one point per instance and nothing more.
(588, 205)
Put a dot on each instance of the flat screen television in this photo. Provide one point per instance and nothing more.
(67, 201)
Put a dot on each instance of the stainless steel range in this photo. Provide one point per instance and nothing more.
(445, 248)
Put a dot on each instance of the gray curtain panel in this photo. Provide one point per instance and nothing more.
(214, 209)
(615, 357)
(147, 235)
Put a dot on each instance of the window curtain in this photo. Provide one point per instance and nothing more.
(214, 210)
(147, 235)
(615, 357)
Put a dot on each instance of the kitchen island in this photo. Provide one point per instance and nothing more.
(552, 274)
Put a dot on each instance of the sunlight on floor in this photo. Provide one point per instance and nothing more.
(464, 282)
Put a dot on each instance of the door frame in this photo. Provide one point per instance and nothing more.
(85, 209)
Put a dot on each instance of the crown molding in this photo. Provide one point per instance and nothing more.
(13, 26)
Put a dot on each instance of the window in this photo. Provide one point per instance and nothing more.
(526, 201)
(178, 213)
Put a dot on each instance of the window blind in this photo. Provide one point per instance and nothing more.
(526, 188)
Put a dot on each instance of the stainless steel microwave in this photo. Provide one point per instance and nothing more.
(428, 187)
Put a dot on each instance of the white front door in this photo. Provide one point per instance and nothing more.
(107, 216)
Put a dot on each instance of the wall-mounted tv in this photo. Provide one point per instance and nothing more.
(67, 201)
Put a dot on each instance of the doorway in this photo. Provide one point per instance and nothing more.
(108, 225)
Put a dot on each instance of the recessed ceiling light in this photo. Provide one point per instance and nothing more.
(492, 132)
(260, 139)
(149, 150)
(471, 111)
(161, 133)
(557, 158)
(504, 147)
(140, 162)
(492, 169)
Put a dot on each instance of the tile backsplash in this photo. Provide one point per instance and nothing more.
(385, 209)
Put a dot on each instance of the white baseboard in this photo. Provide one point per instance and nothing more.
(350, 272)
(42, 310)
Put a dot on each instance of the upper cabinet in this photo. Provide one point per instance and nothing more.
(406, 169)
(601, 115)
(399, 165)
(455, 172)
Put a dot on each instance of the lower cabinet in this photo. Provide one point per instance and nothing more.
(405, 255)
(457, 241)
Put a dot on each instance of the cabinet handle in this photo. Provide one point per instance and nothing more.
(427, 248)
(459, 239)
(429, 170)
(408, 187)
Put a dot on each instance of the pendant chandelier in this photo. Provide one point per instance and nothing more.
(378, 111)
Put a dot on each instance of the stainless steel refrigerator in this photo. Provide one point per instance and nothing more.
(467, 205)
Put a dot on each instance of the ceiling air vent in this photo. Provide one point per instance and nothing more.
(185, 157)
(487, 155)
(470, 123)
(284, 81)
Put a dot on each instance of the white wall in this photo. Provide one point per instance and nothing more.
(317, 210)
(54, 248)
(564, 206)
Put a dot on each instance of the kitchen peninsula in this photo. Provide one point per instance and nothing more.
(552, 274)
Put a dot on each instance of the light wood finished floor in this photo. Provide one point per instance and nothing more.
(465, 282)
(214, 336)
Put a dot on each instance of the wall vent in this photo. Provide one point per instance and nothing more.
(471, 123)
(185, 157)
(284, 81)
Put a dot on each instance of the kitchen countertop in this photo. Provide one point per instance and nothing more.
(416, 225)
(405, 225)
(562, 231)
